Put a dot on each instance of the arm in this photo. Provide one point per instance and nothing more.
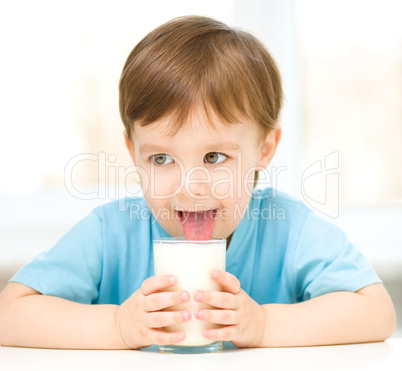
(30, 319)
(336, 318)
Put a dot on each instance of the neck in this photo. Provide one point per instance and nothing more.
(228, 241)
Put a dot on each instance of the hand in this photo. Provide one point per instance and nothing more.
(140, 318)
(242, 318)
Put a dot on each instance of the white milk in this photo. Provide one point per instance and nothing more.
(191, 262)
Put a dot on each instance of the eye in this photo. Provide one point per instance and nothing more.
(215, 157)
(162, 159)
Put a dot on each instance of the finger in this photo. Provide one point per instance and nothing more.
(157, 283)
(223, 317)
(217, 299)
(226, 333)
(160, 337)
(228, 281)
(162, 319)
(162, 300)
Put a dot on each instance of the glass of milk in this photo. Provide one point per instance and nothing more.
(191, 262)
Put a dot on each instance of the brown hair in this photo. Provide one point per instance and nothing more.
(196, 59)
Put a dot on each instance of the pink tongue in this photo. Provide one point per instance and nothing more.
(198, 225)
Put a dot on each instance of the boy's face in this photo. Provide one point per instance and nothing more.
(200, 168)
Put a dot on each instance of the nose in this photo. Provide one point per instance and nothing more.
(197, 183)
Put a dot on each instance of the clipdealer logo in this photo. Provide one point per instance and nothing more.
(324, 175)
(319, 181)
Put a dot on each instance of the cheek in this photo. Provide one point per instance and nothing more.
(162, 183)
(234, 182)
(223, 183)
(248, 176)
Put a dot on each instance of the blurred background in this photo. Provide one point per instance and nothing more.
(61, 138)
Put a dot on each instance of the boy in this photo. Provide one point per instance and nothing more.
(200, 104)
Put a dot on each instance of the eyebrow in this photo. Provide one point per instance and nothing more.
(149, 147)
(228, 146)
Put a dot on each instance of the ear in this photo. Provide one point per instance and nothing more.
(268, 147)
(129, 146)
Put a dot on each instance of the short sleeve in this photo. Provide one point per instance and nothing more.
(72, 268)
(325, 261)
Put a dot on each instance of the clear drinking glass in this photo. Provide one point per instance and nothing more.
(191, 262)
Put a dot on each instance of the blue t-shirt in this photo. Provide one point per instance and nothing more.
(281, 252)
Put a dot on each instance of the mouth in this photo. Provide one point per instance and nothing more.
(197, 225)
(182, 215)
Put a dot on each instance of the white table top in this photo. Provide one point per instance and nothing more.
(373, 356)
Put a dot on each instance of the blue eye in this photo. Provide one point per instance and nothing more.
(215, 157)
(162, 159)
